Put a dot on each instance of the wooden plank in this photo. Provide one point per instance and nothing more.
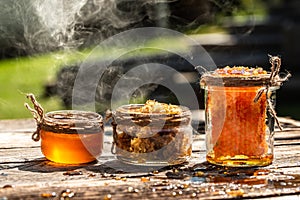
(20, 125)
(26, 174)
(163, 188)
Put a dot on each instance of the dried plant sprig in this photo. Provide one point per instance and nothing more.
(38, 115)
(274, 80)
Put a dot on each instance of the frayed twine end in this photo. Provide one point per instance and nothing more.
(274, 80)
(38, 114)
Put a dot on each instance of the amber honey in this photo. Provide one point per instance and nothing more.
(72, 137)
(239, 130)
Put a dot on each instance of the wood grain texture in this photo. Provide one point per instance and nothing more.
(26, 174)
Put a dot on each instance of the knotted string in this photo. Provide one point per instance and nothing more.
(38, 115)
(109, 115)
(274, 80)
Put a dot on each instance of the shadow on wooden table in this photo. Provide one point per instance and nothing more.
(42, 165)
(45, 166)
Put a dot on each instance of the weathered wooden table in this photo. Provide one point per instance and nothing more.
(26, 174)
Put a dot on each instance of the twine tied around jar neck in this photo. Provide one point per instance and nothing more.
(110, 115)
(274, 80)
(38, 115)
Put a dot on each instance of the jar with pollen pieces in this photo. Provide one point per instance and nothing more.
(152, 134)
(239, 121)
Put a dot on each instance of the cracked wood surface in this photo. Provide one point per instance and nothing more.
(26, 174)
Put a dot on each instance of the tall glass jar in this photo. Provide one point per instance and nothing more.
(155, 139)
(239, 129)
(72, 136)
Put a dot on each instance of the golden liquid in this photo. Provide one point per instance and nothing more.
(240, 160)
(71, 148)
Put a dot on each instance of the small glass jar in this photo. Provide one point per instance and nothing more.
(239, 130)
(72, 136)
(152, 139)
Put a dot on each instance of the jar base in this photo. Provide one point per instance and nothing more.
(73, 162)
(154, 163)
(241, 161)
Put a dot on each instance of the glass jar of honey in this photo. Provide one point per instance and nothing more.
(71, 136)
(239, 125)
(153, 134)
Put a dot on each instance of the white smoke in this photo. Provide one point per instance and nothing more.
(35, 26)
(58, 17)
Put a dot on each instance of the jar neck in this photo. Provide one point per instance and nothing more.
(72, 121)
(123, 115)
(237, 88)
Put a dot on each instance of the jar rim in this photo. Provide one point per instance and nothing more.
(69, 121)
(211, 79)
(237, 88)
(125, 109)
(72, 116)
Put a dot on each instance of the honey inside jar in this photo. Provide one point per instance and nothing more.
(153, 134)
(238, 129)
(72, 137)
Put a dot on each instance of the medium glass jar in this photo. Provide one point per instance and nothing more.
(154, 138)
(239, 129)
(71, 136)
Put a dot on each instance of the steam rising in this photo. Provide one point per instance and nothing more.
(58, 17)
(32, 26)
(35, 26)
